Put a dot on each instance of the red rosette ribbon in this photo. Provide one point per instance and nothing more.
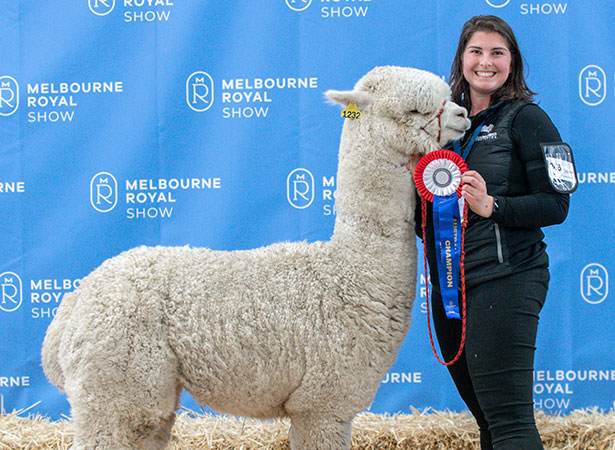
(439, 173)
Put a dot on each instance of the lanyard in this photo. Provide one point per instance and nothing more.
(468, 146)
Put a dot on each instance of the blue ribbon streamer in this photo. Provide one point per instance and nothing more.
(447, 225)
(468, 147)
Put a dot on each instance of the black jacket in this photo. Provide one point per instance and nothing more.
(508, 156)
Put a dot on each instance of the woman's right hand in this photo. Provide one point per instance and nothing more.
(411, 165)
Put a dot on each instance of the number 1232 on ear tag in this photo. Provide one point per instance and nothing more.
(351, 111)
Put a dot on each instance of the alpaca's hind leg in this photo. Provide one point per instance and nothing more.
(157, 436)
(319, 433)
(124, 437)
(123, 424)
(124, 406)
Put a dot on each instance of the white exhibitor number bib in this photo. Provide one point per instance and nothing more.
(560, 166)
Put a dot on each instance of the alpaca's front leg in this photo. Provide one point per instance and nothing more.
(315, 432)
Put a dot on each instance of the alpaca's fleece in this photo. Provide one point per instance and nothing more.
(301, 330)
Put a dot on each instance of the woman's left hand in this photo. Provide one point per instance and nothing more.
(474, 191)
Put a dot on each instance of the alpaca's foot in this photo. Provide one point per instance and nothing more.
(319, 433)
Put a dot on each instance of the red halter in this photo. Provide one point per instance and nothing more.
(437, 117)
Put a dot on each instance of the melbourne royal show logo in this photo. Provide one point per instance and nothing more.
(12, 291)
(9, 95)
(103, 192)
(241, 97)
(594, 283)
(135, 10)
(298, 5)
(101, 7)
(498, 3)
(200, 91)
(145, 198)
(341, 9)
(539, 8)
(300, 188)
(592, 85)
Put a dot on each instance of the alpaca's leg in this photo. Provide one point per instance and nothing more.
(125, 405)
(319, 433)
(157, 437)
(123, 437)
(126, 423)
(121, 374)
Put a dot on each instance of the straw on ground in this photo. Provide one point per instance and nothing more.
(589, 429)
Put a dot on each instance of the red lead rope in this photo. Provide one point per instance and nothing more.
(463, 282)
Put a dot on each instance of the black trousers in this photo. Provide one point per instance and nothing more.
(494, 376)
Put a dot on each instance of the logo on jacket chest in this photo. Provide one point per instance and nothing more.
(487, 133)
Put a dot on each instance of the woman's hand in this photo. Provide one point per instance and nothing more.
(411, 165)
(474, 191)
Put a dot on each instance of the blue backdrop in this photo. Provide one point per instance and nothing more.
(174, 122)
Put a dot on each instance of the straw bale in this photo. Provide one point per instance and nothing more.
(589, 429)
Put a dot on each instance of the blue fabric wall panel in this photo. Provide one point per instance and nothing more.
(215, 172)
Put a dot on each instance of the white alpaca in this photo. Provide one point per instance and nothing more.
(297, 330)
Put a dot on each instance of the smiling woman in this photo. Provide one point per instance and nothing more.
(490, 34)
(511, 195)
(486, 67)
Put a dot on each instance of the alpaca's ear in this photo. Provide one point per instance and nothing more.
(360, 98)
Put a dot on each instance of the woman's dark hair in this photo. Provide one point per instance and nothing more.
(515, 86)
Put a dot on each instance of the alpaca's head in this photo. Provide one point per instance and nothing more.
(408, 110)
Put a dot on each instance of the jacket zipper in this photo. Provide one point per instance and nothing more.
(498, 241)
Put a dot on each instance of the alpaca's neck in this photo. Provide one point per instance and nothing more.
(375, 197)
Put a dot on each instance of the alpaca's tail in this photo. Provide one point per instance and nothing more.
(51, 344)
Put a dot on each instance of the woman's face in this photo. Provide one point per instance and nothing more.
(487, 62)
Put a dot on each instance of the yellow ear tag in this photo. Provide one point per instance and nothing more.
(351, 111)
